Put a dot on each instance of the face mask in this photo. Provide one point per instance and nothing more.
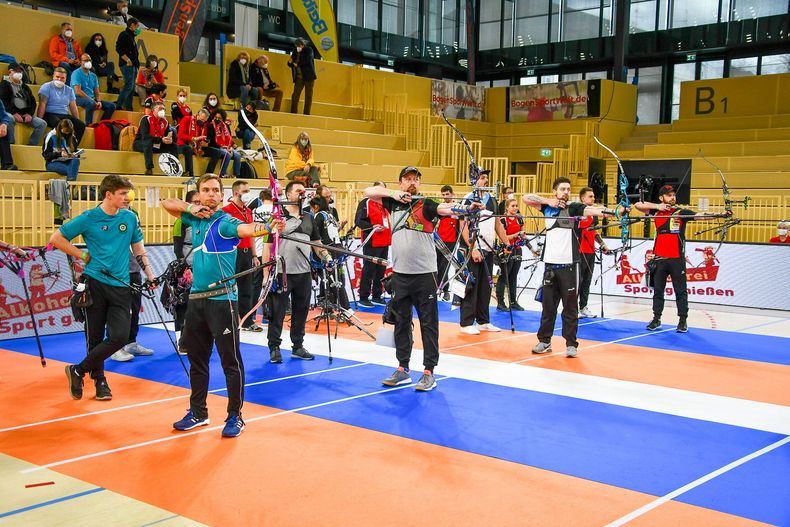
(303, 142)
(182, 99)
(58, 84)
(511, 196)
(87, 65)
(782, 232)
(199, 122)
(138, 31)
(247, 198)
(16, 76)
(98, 43)
(330, 200)
(68, 33)
(160, 114)
(267, 208)
(212, 102)
(242, 61)
(153, 64)
(299, 49)
(124, 10)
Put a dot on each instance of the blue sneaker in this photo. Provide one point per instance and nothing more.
(233, 426)
(189, 422)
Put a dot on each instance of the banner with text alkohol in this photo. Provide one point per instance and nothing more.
(745, 275)
(547, 102)
(318, 19)
(458, 100)
(50, 295)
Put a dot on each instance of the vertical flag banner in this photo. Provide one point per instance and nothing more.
(318, 19)
(186, 19)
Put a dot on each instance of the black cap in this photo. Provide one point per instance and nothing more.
(409, 170)
(14, 66)
(666, 189)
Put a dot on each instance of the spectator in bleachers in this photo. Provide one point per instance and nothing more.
(100, 57)
(781, 231)
(192, 137)
(239, 79)
(6, 159)
(154, 135)
(180, 108)
(20, 103)
(243, 131)
(303, 72)
(56, 101)
(64, 50)
(156, 94)
(300, 165)
(121, 16)
(86, 88)
(211, 104)
(220, 145)
(262, 80)
(148, 76)
(129, 61)
(60, 150)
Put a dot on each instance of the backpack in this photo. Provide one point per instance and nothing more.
(107, 133)
(126, 138)
(28, 73)
(248, 170)
(49, 69)
(262, 104)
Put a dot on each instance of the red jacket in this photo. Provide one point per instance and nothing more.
(244, 215)
(378, 215)
(448, 229)
(189, 128)
(58, 49)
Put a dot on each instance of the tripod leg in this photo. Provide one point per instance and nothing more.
(503, 264)
(33, 320)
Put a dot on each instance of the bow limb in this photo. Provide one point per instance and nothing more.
(625, 202)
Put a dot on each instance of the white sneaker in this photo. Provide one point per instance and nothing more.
(136, 349)
(489, 327)
(470, 330)
(122, 356)
(586, 313)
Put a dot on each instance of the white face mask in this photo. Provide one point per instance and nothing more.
(299, 49)
(87, 65)
(160, 114)
(58, 84)
(267, 208)
(782, 232)
(182, 99)
(212, 102)
(511, 196)
(98, 43)
(68, 33)
(153, 64)
(247, 198)
(303, 142)
(124, 10)
(242, 61)
(16, 76)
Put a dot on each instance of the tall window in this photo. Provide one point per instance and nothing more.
(745, 9)
(695, 13)
(743, 67)
(532, 22)
(347, 12)
(581, 19)
(411, 18)
(775, 64)
(648, 94)
(682, 72)
(490, 26)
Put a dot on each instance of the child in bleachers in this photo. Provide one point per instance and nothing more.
(60, 150)
(102, 66)
(180, 108)
(148, 76)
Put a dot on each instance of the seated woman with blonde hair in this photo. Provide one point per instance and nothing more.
(300, 165)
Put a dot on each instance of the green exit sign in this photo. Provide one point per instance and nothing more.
(545, 152)
(530, 73)
(691, 57)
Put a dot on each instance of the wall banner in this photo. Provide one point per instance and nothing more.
(548, 102)
(458, 100)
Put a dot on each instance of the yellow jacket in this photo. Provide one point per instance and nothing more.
(295, 161)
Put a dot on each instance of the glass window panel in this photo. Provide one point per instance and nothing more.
(371, 14)
(711, 69)
(648, 102)
(391, 16)
(607, 14)
(489, 35)
(411, 20)
(526, 8)
(775, 64)
(347, 12)
(581, 24)
(433, 20)
(682, 72)
(448, 23)
(643, 16)
(528, 81)
(695, 13)
(548, 79)
(595, 75)
(745, 9)
(500, 83)
(490, 10)
(532, 30)
(743, 67)
(663, 14)
(571, 77)
(556, 21)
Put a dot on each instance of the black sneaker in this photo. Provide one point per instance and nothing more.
(501, 307)
(367, 304)
(683, 326)
(301, 353)
(379, 302)
(103, 392)
(75, 381)
(275, 357)
(516, 307)
(654, 324)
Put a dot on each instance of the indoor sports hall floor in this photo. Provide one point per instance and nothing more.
(643, 429)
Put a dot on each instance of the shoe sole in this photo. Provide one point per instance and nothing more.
(682, 330)
(144, 354)
(547, 350)
(235, 434)
(104, 398)
(272, 361)
(302, 358)
(399, 383)
(569, 356)
(422, 389)
(71, 386)
(652, 329)
(204, 423)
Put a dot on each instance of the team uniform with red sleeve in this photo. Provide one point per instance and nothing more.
(447, 230)
(509, 269)
(244, 255)
(670, 259)
(586, 258)
(369, 214)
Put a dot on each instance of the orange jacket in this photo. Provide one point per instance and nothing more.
(58, 49)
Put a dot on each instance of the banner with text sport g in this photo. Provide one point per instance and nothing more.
(186, 19)
(547, 102)
(318, 19)
(458, 100)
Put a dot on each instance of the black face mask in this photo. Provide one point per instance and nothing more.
(200, 123)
